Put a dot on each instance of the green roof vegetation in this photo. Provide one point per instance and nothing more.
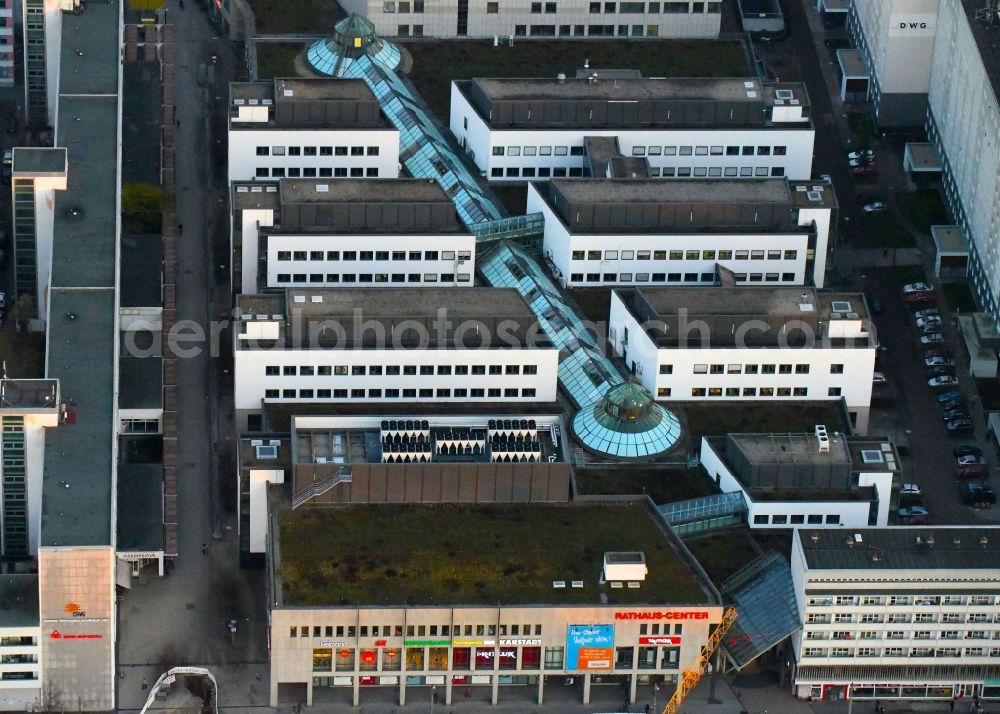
(469, 555)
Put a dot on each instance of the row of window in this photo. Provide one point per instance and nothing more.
(904, 635)
(677, 277)
(406, 31)
(796, 519)
(654, 171)
(307, 278)
(646, 150)
(317, 151)
(313, 172)
(462, 393)
(396, 255)
(748, 392)
(585, 30)
(902, 618)
(750, 369)
(416, 630)
(393, 370)
(403, 6)
(901, 652)
(684, 255)
(924, 600)
(653, 8)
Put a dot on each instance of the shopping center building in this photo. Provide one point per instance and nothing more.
(477, 600)
(897, 613)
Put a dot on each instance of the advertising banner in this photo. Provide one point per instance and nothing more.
(590, 647)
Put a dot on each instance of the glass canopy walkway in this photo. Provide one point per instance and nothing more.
(615, 418)
(700, 515)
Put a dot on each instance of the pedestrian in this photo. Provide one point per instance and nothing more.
(180, 228)
(145, 684)
(182, 5)
(468, 692)
(951, 705)
(178, 123)
(204, 548)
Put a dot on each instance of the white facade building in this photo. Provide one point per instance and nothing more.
(309, 128)
(895, 40)
(517, 129)
(897, 613)
(631, 232)
(565, 18)
(790, 480)
(390, 345)
(963, 121)
(370, 232)
(20, 644)
(689, 344)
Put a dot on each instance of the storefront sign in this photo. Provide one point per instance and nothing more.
(912, 25)
(74, 610)
(57, 635)
(332, 643)
(470, 643)
(426, 643)
(668, 615)
(380, 643)
(590, 647)
(520, 640)
(141, 555)
(661, 640)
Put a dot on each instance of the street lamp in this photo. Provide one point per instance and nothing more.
(433, 696)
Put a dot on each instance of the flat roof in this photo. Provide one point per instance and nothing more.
(902, 548)
(19, 600)
(369, 190)
(923, 156)
(851, 64)
(39, 161)
(294, 88)
(615, 88)
(468, 555)
(141, 271)
(604, 190)
(772, 301)
(140, 507)
(140, 382)
(950, 239)
(791, 448)
(327, 104)
(76, 487)
(90, 60)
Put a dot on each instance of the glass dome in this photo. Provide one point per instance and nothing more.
(626, 423)
(353, 37)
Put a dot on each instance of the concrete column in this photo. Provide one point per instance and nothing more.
(402, 688)
(159, 562)
(357, 690)
(633, 680)
(447, 688)
(309, 691)
(586, 689)
(541, 689)
(273, 703)
(495, 697)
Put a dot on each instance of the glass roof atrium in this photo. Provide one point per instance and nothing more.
(585, 373)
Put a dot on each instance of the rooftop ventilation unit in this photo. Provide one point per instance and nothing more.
(784, 94)
(267, 451)
(558, 584)
(322, 188)
(840, 306)
(814, 196)
(239, 102)
(822, 439)
(624, 566)
(316, 298)
(871, 456)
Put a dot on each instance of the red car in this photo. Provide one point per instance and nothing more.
(919, 298)
(866, 170)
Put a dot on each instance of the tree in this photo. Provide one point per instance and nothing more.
(146, 5)
(26, 307)
(143, 201)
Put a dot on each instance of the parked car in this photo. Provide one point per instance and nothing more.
(879, 378)
(927, 312)
(967, 450)
(932, 328)
(949, 396)
(914, 516)
(866, 170)
(979, 471)
(825, 178)
(861, 155)
(932, 339)
(923, 322)
(938, 361)
(3, 300)
(956, 413)
(919, 298)
(874, 304)
(918, 288)
(910, 489)
(960, 426)
(978, 494)
(954, 404)
(945, 380)
(940, 371)
(12, 124)
(874, 207)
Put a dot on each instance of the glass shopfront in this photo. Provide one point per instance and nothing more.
(391, 659)
(368, 660)
(461, 658)
(414, 659)
(323, 660)
(345, 659)
(438, 657)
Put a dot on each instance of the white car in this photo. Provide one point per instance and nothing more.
(939, 362)
(874, 207)
(945, 380)
(927, 312)
(923, 322)
(858, 155)
(936, 339)
(918, 288)
(826, 178)
(970, 460)
(911, 489)
(879, 378)
(3, 300)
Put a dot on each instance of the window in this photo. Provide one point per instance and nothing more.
(263, 151)
(833, 392)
